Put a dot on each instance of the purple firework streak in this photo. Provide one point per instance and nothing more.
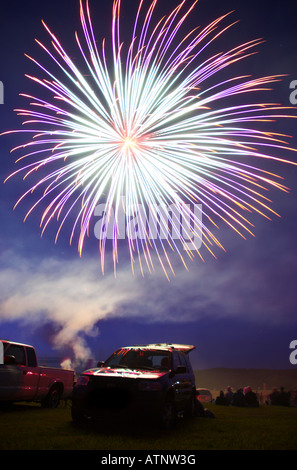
(149, 125)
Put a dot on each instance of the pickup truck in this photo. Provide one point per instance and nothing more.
(21, 379)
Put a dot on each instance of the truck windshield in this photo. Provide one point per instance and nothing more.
(139, 359)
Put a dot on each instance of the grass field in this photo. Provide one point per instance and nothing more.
(30, 427)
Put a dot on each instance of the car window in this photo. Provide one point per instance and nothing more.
(139, 359)
(31, 356)
(190, 369)
(18, 352)
(160, 360)
(175, 360)
(181, 360)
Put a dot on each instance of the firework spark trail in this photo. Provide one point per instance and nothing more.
(147, 126)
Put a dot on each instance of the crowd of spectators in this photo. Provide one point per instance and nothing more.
(247, 397)
(241, 397)
(282, 397)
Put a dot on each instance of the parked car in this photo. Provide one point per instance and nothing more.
(22, 379)
(153, 381)
(204, 395)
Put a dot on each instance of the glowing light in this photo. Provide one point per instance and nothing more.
(150, 125)
(129, 145)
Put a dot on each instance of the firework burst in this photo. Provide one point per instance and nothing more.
(147, 127)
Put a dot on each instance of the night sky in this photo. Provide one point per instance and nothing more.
(239, 310)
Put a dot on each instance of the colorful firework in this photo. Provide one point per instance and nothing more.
(148, 128)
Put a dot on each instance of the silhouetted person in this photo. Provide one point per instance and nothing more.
(200, 411)
(221, 400)
(250, 398)
(229, 395)
(273, 397)
(280, 397)
(238, 398)
(283, 397)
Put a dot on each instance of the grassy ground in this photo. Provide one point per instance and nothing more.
(30, 427)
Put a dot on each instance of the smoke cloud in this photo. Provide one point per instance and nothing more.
(73, 295)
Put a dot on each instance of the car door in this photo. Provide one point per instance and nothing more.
(183, 380)
(30, 374)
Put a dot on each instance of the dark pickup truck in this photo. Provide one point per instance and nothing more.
(21, 379)
(151, 381)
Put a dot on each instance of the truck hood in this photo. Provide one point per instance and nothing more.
(126, 373)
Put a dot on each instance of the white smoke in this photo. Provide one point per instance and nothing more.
(67, 364)
(74, 296)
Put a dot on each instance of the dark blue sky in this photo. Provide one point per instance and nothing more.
(240, 310)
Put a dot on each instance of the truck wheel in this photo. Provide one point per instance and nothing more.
(52, 400)
(168, 418)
